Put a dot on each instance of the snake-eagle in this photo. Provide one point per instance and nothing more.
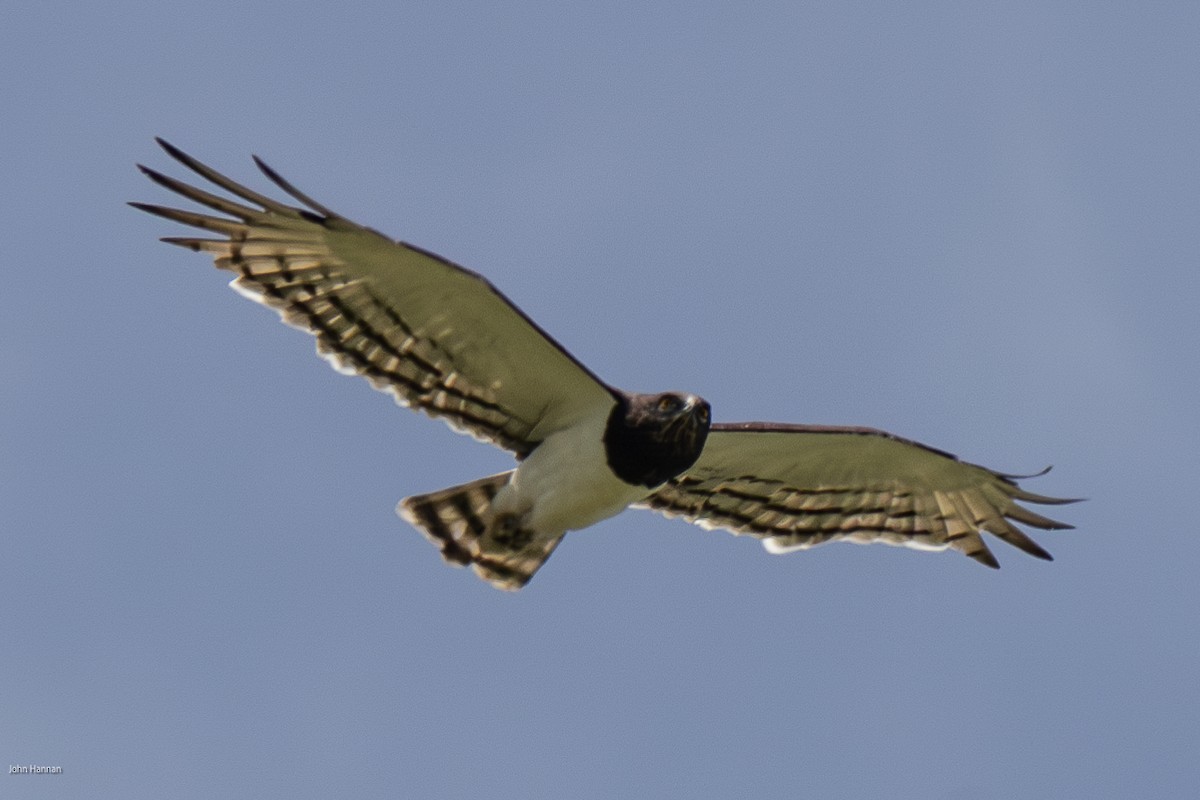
(442, 339)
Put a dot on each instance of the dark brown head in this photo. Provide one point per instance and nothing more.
(651, 438)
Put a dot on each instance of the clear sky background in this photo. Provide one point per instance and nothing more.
(970, 225)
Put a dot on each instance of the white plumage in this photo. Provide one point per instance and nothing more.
(566, 485)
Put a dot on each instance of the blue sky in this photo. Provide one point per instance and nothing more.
(972, 226)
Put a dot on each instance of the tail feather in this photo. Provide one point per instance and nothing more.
(461, 522)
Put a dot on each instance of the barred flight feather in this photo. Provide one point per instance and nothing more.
(907, 495)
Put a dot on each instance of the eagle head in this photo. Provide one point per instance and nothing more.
(651, 438)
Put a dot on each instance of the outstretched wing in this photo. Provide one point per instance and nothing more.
(797, 486)
(436, 336)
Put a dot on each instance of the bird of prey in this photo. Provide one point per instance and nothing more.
(443, 340)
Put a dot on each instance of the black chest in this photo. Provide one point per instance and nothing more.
(647, 447)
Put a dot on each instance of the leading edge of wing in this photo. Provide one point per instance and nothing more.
(584, 368)
(855, 430)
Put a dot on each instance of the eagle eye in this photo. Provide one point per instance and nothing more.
(668, 403)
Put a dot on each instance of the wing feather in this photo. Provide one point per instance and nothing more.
(797, 486)
(437, 337)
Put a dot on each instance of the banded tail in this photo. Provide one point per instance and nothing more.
(462, 524)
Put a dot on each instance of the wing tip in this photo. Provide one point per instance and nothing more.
(1022, 477)
(173, 151)
(1032, 497)
(165, 212)
(323, 213)
(188, 242)
(1037, 551)
(984, 556)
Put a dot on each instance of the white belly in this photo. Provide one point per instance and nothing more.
(565, 484)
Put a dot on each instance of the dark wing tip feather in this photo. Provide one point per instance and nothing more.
(287, 186)
(1031, 497)
(158, 177)
(183, 158)
(191, 242)
(229, 185)
(1015, 477)
(159, 211)
(172, 150)
(986, 557)
(1023, 542)
(1024, 515)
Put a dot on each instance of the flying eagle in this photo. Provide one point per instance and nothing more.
(441, 339)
